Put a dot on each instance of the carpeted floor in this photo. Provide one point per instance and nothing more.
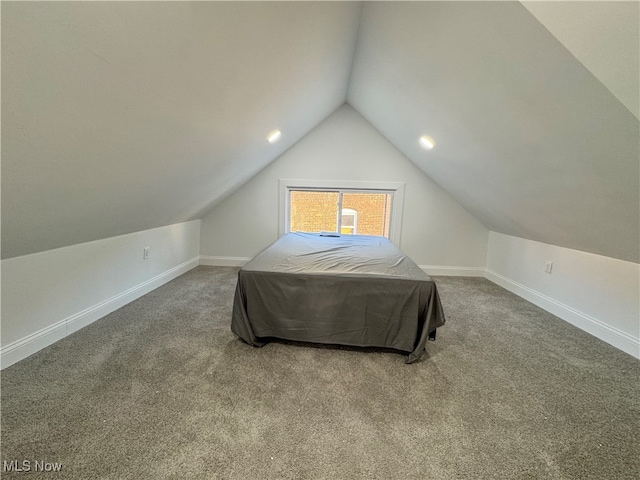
(162, 389)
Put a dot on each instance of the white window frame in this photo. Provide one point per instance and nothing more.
(352, 213)
(285, 185)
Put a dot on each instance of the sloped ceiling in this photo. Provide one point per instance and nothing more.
(604, 36)
(118, 116)
(123, 116)
(527, 139)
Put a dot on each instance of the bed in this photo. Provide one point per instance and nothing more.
(351, 290)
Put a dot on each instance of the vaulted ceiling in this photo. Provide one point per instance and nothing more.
(123, 116)
(118, 116)
(528, 139)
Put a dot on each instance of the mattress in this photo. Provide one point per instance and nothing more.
(347, 290)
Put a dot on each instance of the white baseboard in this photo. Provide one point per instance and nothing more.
(20, 349)
(452, 271)
(223, 261)
(619, 339)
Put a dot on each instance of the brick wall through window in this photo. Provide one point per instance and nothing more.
(317, 211)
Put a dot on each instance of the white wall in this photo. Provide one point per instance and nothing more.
(51, 294)
(437, 233)
(600, 295)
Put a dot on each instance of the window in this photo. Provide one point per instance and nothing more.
(366, 212)
(350, 208)
(349, 223)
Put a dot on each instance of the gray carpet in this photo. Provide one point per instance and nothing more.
(162, 389)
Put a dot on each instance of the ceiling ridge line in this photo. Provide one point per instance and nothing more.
(356, 43)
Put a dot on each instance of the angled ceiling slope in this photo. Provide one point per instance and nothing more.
(604, 36)
(123, 116)
(527, 138)
(118, 117)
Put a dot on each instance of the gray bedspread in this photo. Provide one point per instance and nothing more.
(350, 290)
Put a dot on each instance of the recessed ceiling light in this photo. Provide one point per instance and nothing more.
(274, 136)
(427, 142)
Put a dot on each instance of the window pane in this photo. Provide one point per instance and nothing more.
(349, 224)
(313, 211)
(373, 211)
(348, 220)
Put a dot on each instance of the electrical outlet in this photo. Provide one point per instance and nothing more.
(145, 255)
(548, 267)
